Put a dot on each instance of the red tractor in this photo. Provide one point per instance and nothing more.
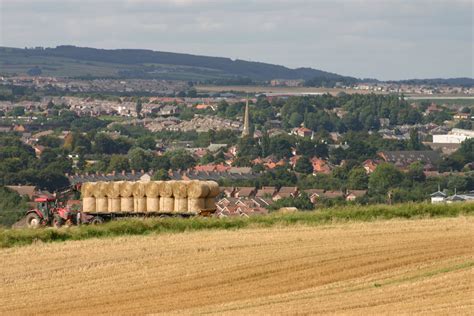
(49, 212)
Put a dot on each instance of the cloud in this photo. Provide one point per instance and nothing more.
(389, 39)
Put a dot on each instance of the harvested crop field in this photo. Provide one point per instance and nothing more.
(399, 266)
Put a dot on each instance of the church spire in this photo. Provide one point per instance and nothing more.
(246, 130)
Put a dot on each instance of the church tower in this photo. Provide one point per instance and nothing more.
(246, 131)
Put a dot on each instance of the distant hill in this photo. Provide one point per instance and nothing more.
(71, 61)
(82, 62)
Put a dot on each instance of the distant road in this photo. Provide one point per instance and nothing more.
(439, 97)
(315, 91)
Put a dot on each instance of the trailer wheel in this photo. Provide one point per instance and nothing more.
(58, 221)
(96, 220)
(33, 220)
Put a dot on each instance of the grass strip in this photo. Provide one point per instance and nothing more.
(19, 237)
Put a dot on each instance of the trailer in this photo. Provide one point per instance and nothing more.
(99, 218)
(106, 201)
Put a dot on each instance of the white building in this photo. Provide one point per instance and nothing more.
(455, 136)
(438, 197)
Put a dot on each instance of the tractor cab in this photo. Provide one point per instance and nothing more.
(45, 206)
(49, 212)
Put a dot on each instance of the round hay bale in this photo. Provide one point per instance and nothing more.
(101, 204)
(166, 189)
(139, 204)
(152, 204)
(180, 205)
(113, 189)
(126, 204)
(100, 189)
(126, 189)
(114, 205)
(210, 203)
(152, 189)
(138, 189)
(196, 205)
(198, 189)
(166, 204)
(87, 189)
(88, 204)
(213, 189)
(180, 189)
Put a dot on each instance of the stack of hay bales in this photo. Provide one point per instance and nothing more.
(180, 194)
(152, 197)
(211, 197)
(152, 192)
(88, 199)
(166, 196)
(100, 194)
(139, 199)
(113, 193)
(197, 193)
(126, 198)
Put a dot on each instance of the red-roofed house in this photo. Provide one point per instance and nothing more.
(320, 166)
(302, 132)
(369, 165)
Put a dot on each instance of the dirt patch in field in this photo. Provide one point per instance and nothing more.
(398, 267)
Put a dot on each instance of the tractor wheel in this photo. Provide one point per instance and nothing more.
(96, 220)
(33, 220)
(58, 221)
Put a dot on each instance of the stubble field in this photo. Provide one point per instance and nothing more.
(420, 266)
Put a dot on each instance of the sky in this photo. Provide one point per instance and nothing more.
(383, 39)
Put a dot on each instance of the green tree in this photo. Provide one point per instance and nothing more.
(160, 175)
(414, 142)
(139, 107)
(385, 177)
(358, 179)
(138, 159)
(118, 163)
(18, 111)
(304, 165)
(146, 142)
(180, 160)
(295, 119)
(416, 172)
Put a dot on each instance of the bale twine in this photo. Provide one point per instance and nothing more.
(126, 189)
(152, 189)
(152, 204)
(100, 189)
(126, 204)
(180, 205)
(213, 189)
(198, 189)
(101, 204)
(166, 204)
(139, 204)
(88, 204)
(196, 205)
(115, 205)
(180, 189)
(166, 189)
(138, 189)
(87, 189)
